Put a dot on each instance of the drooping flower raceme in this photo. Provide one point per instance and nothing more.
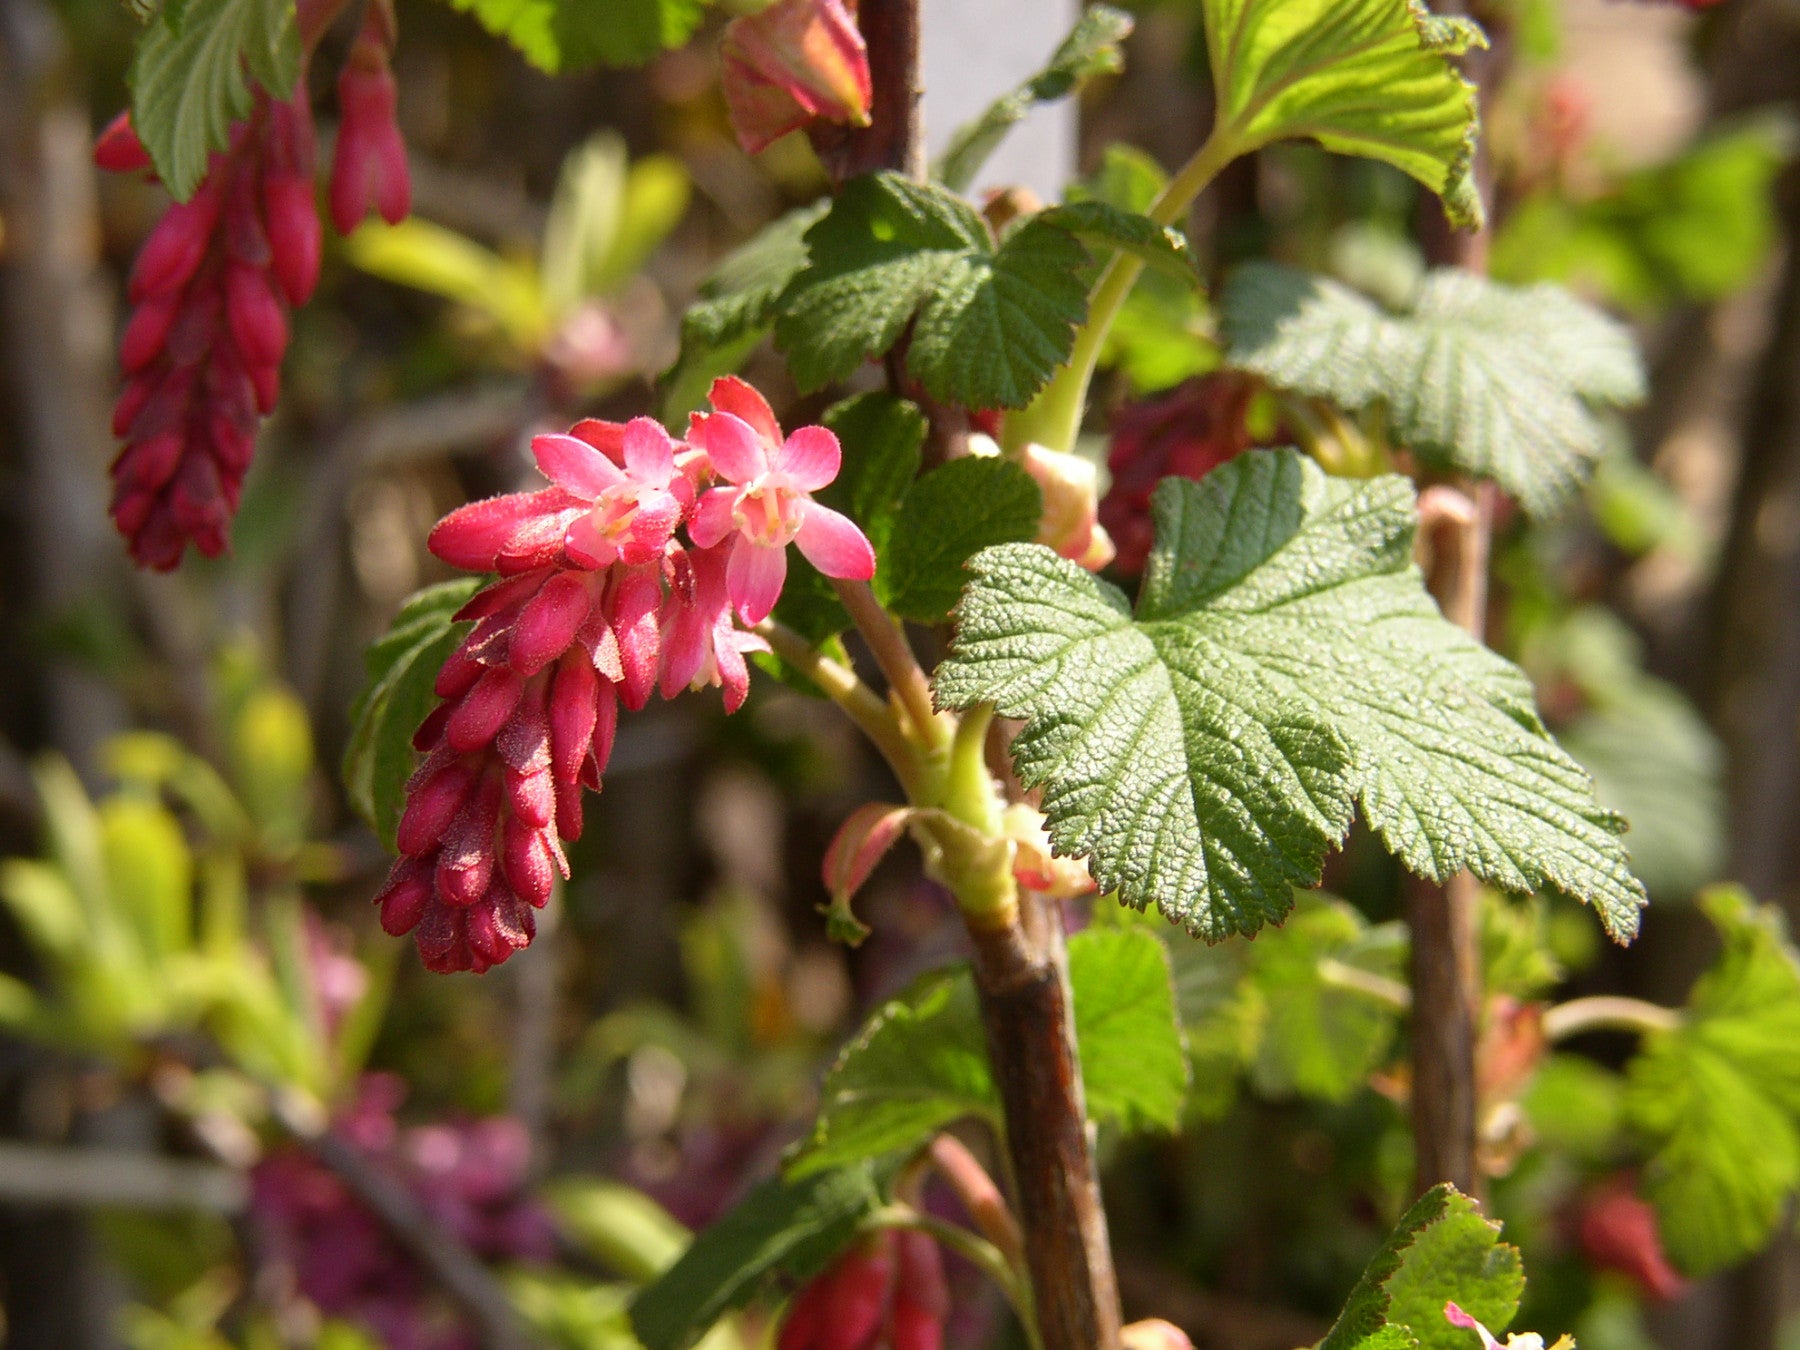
(202, 353)
(212, 288)
(599, 603)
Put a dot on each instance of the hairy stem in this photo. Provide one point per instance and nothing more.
(861, 704)
(894, 654)
(980, 1196)
(1055, 417)
(1606, 1012)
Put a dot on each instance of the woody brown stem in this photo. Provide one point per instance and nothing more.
(1021, 971)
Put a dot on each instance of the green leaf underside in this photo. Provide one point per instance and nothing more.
(1362, 77)
(793, 1227)
(1720, 1095)
(1441, 1250)
(920, 1063)
(945, 518)
(736, 308)
(188, 80)
(1496, 381)
(1285, 665)
(558, 36)
(989, 324)
(1090, 49)
(402, 667)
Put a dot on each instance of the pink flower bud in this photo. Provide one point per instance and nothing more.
(404, 898)
(1154, 1334)
(526, 860)
(177, 244)
(258, 321)
(532, 796)
(118, 149)
(574, 696)
(1618, 1231)
(796, 62)
(431, 807)
(484, 709)
(498, 925)
(549, 622)
(295, 237)
(368, 169)
(147, 333)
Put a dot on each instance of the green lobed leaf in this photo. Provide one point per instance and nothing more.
(188, 80)
(1090, 49)
(788, 1227)
(736, 308)
(1321, 1039)
(558, 36)
(1284, 666)
(989, 324)
(402, 667)
(1495, 381)
(1442, 1250)
(946, 517)
(1362, 77)
(921, 1062)
(1160, 246)
(1720, 1095)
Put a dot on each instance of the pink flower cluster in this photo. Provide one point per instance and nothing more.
(888, 1291)
(210, 295)
(469, 1177)
(599, 603)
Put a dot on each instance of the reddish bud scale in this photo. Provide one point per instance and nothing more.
(368, 168)
(598, 603)
(211, 290)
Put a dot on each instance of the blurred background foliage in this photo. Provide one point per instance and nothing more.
(189, 971)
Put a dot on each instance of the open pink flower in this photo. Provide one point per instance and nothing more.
(636, 493)
(769, 503)
(700, 644)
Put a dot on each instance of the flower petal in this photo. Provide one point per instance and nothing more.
(606, 437)
(586, 546)
(754, 575)
(811, 458)
(737, 452)
(731, 395)
(712, 518)
(649, 452)
(833, 544)
(572, 463)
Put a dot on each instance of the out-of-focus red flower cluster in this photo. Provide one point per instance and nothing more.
(598, 604)
(211, 291)
(1617, 1231)
(1184, 434)
(467, 1176)
(886, 1293)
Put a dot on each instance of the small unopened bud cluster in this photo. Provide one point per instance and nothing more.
(599, 603)
(212, 289)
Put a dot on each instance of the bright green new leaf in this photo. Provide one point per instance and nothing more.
(1323, 1035)
(558, 36)
(1442, 1250)
(402, 668)
(1362, 77)
(792, 1227)
(1284, 666)
(188, 79)
(1090, 49)
(921, 1062)
(736, 308)
(1495, 381)
(1720, 1094)
(989, 324)
(442, 262)
(945, 518)
(607, 217)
